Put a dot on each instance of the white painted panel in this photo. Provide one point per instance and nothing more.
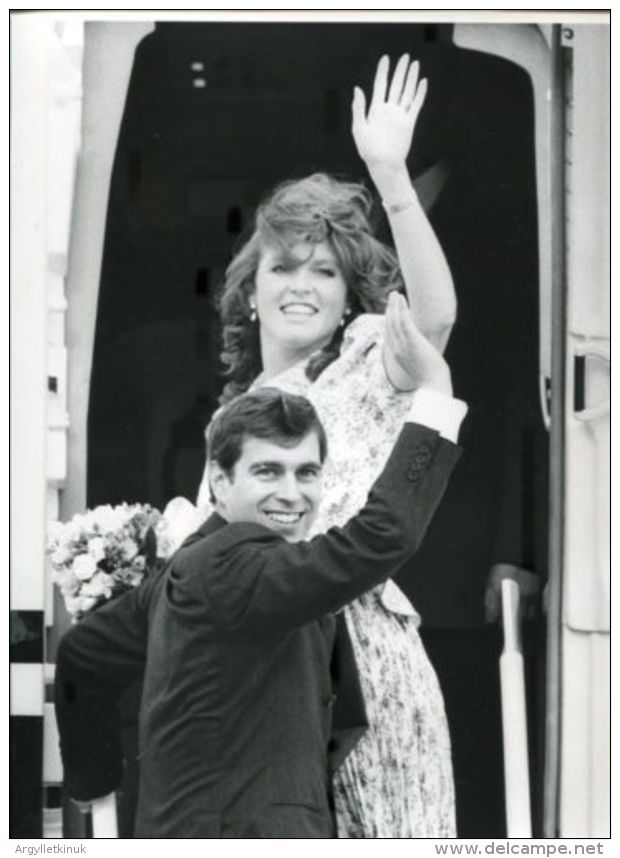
(52, 504)
(56, 472)
(600, 707)
(30, 82)
(589, 191)
(52, 765)
(49, 595)
(57, 306)
(63, 138)
(587, 605)
(587, 558)
(57, 417)
(585, 771)
(27, 689)
(585, 749)
(52, 823)
(576, 750)
(57, 368)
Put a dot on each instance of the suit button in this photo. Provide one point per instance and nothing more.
(423, 453)
(420, 461)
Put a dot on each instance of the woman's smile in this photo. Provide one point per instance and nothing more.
(300, 298)
(297, 308)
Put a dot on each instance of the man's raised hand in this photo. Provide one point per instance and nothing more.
(410, 360)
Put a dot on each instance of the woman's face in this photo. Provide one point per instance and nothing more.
(299, 304)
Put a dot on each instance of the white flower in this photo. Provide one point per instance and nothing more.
(78, 550)
(79, 604)
(99, 585)
(60, 556)
(84, 567)
(69, 586)
(128, 549)
(55, 531)
(108, 518)
(96, 548)
(73, 530)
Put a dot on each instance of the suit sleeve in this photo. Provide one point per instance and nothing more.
(97, 658)
(258, 580)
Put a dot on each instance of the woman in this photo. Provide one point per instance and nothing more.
(302, 309)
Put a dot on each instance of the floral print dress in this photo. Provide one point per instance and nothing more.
(397, 781)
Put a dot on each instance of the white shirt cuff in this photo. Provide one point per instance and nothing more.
(437, 411)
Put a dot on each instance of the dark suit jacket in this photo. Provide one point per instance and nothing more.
(237, 636)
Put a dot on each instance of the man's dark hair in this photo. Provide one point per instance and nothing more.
(267, 413)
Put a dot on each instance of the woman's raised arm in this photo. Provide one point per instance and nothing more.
(383, 136)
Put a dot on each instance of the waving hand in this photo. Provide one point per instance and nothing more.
(383, 133)
(410, 360)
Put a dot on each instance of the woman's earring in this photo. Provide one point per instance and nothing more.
(347, 313)
(252, 311)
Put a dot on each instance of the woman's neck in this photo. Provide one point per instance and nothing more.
(277, 358)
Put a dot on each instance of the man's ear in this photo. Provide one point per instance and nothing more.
(219, 482)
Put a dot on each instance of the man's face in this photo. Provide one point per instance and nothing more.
(274, 485)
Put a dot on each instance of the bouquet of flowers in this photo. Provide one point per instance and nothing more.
(102, 553)
(105, 551)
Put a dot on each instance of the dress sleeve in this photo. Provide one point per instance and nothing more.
(364, 338)
(362, 365)
(179, 519)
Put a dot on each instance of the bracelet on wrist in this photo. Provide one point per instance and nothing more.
(403, 205)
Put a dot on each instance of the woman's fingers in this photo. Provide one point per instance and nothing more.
(418, 101)
(358, 107)
(411, 83)
(398, 79)
(380, 85)
(405, 89)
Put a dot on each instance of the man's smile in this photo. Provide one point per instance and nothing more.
(287, 518)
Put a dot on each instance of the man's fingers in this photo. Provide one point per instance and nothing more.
(392, 317)
(402, 317)
(390, 311)
(402, 328)
(398, 80)
(394, 339)
(380, 85)
(396, 305)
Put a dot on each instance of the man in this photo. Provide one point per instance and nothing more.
(234, 638)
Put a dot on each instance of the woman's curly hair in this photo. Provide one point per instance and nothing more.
(315, 209)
